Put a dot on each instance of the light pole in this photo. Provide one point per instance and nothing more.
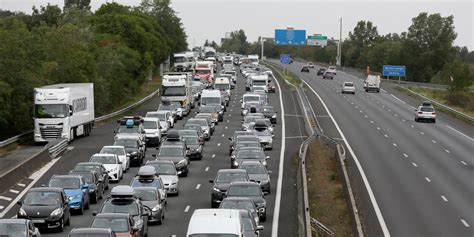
(338, 58)
(261, 40)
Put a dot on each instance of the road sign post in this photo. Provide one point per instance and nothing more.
(285, 58)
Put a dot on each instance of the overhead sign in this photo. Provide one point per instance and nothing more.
(318, 40)
(391, 70)
(285, 58)
(290, 37)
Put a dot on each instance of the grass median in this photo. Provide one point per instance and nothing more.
(327, 201)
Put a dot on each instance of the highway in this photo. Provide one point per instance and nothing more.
(421, 174)
(195, 190)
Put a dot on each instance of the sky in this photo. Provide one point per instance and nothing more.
(211, 19)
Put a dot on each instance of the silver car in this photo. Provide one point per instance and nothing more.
(426, 113)
(348, 87)
(151, 197)
(167, 171)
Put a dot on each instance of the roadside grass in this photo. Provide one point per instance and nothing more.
(440, 95)
(8, 148)
(286, 74)
(326, 191)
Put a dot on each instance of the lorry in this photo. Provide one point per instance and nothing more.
(372, 83)
(253, 58)
(177, 86)
(259, 82)
(204, 70)
(210, 52)
(184, 62)
(63, 111)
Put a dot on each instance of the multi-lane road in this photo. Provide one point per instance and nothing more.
(195, 190)
(420, 174)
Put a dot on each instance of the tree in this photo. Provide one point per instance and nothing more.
(49, 15)
(77, 4)
(364, 34)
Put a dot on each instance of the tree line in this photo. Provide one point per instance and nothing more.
(116, 48)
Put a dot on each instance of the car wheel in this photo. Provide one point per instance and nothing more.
(61, 226)
(81, 211)
(95, 199)
(101, 194)
(434, 120)
(416, 120)
(160, 221)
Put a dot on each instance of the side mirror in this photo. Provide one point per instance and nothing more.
(94, 213)
(19, 203)
(230, 139)
(211, 181)
(260, 227)
(43, 185)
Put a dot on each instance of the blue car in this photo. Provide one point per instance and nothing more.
(76, 189)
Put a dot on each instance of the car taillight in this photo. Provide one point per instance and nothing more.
(420, 112)
(433, 113)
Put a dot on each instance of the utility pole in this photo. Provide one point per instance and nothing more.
(261, 40)
(338, 58)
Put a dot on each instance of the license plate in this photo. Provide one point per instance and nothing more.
(38, 221)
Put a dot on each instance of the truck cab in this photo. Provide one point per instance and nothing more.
(259, 82)
(177, 87)
(184, 62)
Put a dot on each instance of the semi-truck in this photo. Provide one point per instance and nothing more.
(177, 86)
(259, 82)
(184, 62)
(204, 70)
(372, 83)
(63, 111)
(210, 52)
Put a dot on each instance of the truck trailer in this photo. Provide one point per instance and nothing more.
(177, 86)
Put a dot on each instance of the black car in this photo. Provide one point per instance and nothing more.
(96, 187)
(270, 113)
(86, 232)
(120, 223)
(328, 75)
(177, 154)
(258, 173)
(134, 147)
(46, 207)
(250, 190)
(241, 203)
(321, 71)
(222, 182)
(194, 147)
(305, 69)
(18, 227)
(236, 134)
(249, 154)
(98, 168)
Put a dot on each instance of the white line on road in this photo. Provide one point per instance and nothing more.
(464, 223)
(371, 121)
(173, 235)
(463, 162)
(444, 198)
(385, 135)
(207, 169)
(403, 120)
(383, 90)
(227, 120)
(414, 164)
(230, 115)
(365, 116)
(219, 144)
(223, 135)
(388, 110)
(231, 110)
(447, 151)
(433, 141)
(187, 208)
(213, 155)
(405, 155)
(198, 186)
(412, 126)
(361, 111)
(383, 106)
(378, 128)
(395, 115)
(394, 144)
(226, 127)
(422, 133)
(5, 198)
(398, 99)
(21, 185)
(1, 207)
(14, 191)
(428, 179)
(468, 137)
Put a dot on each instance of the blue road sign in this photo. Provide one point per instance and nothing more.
(285, 58)
(290, 37)
(390, 70)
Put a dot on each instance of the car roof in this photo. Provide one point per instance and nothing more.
(251, 162)
(113, 215)
(160, 162)
(113, 146)
(46, 189)
(104, 154)
(65, 176)
(146, 170)
(151, 119)
(231, 171)
(244, 183)
(91, 231)
(236, 198)
(90, 163)
(146, 188)
(215, 221)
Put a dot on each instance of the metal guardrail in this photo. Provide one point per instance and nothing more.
(99, 119)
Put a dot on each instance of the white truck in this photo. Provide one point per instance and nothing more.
(177, 86)
(253, 58)
(372, 83)
(63, 111)
(210, 52)
(204, 70)
(259, 82)
(184, 62)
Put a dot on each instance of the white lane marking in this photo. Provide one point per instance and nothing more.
(414, 164)
(35, 177)
(395, 115)
(361, 111)
(187, 208)
(213, 155)
(378, 213)
(405, 155)
(365, 116)
(223, 135)
(422, 133)
(276, 211)
(371, 121)
(433, 141)
(385, 135)
(207, 169)
(230, 115)
(21, 185)
(14, 191)
(219, 144)
(428, 179)
(383, 106)
(198, 186)
(227, 120)
(5, 198)
(444, 198)
(468, 137)
(403, 120)
(173, 235)
(388, 110)
(447, 151)
(463, 162)
(1, 207)
(412, 126)
(383, 90)
(226, 127)
(394, 144)
(398, 99)
(464, 223)
(378, 128)
(231, 110)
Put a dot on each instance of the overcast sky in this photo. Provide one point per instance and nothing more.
(210, 19)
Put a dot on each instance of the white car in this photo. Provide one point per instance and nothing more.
(111, 163)
(348, 87)
(166, 120)
(152, 129)
(123, 156)
(427, 113)
(331, 69)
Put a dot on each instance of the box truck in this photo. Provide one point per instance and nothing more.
(63, 111)
(177, 87)
(372, 83)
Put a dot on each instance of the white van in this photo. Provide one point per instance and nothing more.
(259, 82)
(222, 83)
(215, 222)
(211, 97)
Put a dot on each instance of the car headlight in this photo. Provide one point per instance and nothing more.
(134, 153)
(264, 162)
(21, 212)
(216, 189)
(57, 212)
(274, 116)
(139, 223)
(91, 190)
(156, 208)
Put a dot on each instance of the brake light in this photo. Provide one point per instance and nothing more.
(420, 112)
(433, 113)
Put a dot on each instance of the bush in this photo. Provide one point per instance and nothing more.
(464, 99)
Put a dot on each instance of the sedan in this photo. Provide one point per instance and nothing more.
(328, 75)
(257, 173)
(222, 182)
(151, 198)
(167, 171)
(120, 223)
(305, 69)
(321, 71)
(205, 126)
(348, 87)
(97, 167)
(120, 152)
(96, 187)
(250, 190)
(249, 153)
(111, 163)
(241, 203)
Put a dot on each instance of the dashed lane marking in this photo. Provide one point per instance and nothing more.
(5, 198)
(385, 135)
(464, 223)
(213, 155)
(428, 179)
(444, 198)
(371, 121)
(219, 144)
(378, 128)
(21, 185)
(198, 186)
(226, 127)
(405, 155)
(447, 151)
(414, 164)
(394, 144)
(463, 162)
(187, 208)
(207, 169)
(14, 191)
(1, 207)
(223, 135)
(433, 141)
(422, 133)
(398, 99)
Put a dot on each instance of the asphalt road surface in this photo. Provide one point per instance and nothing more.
(421, 174)
(195, 190)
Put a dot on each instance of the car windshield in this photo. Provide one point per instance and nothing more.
(268, 109)
(245, 190)
(160, 116)
(427, 109)
(150, 125)
(171, 151)
(66, 183)
(113, 150)
(247, 138)
(192, 140)
(200, 122)
(221, 86)
(120, 207)
(116, 224)
(179, 59)
(146, 195)
(51, 111)
(207, 109)
(210, 100)
(348, 84)
(251, 98)
(173, 90)
(126, 143)
(237, 205)
(194, 127)
(169, 107)
(247, 144)
(12, 230)
(202, 72)
(87, 176)
(42, 199)
(188, 132)
(250, 154)
(123, 129)
(87, 168)
(231, 177)
(259, 82)
(104, 159)
(146, 182)
(254, 169)
(260, 127)
(250, 119)
(164, 169)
